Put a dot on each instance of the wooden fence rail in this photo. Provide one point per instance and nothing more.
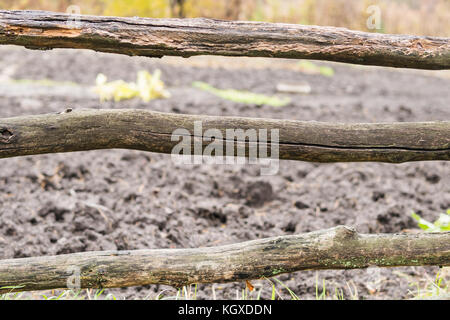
(80, 130)
(337, 248)
(188, 37)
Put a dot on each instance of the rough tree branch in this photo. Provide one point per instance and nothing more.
(189, 37)
(87, 129)
(337, 248)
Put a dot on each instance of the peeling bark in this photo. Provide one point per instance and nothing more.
(86, 129)
(337, 248)
(189, 37)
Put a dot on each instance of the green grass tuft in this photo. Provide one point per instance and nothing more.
(242, 96)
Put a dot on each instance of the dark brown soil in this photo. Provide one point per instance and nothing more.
(121, 199)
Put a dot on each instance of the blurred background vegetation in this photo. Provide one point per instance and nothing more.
(420, 17)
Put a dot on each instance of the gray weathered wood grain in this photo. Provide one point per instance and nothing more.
(90, 129)
(189, 37)
(337, 248)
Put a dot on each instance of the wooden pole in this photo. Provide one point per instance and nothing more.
(188, 37)
(81, 130)
(337, 248)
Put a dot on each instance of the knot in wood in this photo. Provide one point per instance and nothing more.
(345, 233)
(5, 135)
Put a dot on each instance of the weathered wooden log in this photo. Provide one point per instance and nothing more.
(188, 37)
(337, 248)
(90, 129)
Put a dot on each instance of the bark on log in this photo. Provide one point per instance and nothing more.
(90, 129)
(337, 248)
(188, 37)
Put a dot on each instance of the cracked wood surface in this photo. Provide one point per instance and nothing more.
(188, 37)
(337, 248)
(91, 129)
